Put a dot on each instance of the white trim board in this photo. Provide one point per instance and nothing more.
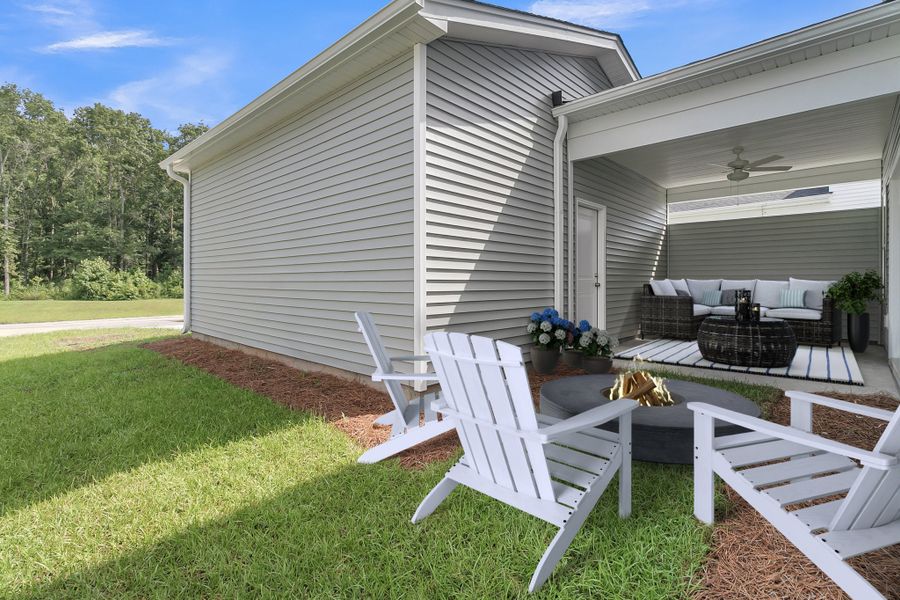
(420, 215)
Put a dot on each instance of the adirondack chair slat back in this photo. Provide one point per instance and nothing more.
(485, 382)
(874, 499)
(382, 359)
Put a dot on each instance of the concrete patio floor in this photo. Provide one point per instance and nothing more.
(873, 363)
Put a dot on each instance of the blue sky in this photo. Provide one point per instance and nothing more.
(201, 60)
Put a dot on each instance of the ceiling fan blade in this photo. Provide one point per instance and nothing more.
(717, 165)
(765, 160)
(768, 169)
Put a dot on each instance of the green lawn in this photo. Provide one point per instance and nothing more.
(37, 311)
(124, 474)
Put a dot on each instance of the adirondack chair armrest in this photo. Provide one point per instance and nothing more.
(586, 420)
(379, 376)
(412, 358)
(858, 409)
(817, 442)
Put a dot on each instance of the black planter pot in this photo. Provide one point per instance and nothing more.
(596, 365)
(543, 360)
(571, 358)
(858, 331)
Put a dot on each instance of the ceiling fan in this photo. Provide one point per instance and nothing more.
(740, 168)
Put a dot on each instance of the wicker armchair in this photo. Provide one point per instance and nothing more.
(673, 317)
(668, 316)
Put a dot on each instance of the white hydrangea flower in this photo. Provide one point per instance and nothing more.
(560, 334)
(603, 339)
(544, 339)
(546, 326)
(595, 331)
(613, 341)
(532, 327)
(585, 340)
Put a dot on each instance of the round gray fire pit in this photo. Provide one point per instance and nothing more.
(659, 434)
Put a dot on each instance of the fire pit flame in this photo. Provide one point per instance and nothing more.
(642, 386)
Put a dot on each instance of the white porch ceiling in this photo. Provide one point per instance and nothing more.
(830, 136)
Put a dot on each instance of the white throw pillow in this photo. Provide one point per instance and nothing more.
(680, 285)
(697, 288)
(662, 287)
(815, 291)
(768, 293)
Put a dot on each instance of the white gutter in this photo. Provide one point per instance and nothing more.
(186, 242)
(558, 191)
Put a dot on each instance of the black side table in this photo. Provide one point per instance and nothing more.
(764, 343)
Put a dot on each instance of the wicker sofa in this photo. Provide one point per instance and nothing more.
(677, 317)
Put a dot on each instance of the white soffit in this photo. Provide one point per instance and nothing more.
(505, 27)
(847, 133)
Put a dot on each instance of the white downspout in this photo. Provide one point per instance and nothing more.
(558, 192)
(186, 267)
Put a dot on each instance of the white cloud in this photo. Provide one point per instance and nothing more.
(109, 39)
(72, 16)
(607, 13)
(191, 90)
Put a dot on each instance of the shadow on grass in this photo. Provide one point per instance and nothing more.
(347, 533)
(72, 418)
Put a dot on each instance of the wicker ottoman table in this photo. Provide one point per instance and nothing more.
(764, 343)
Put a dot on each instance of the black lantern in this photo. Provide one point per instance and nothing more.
(742, 310)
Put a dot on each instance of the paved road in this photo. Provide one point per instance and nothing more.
(171, 322)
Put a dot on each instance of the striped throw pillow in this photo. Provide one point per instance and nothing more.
(793, 298)
(712, 297)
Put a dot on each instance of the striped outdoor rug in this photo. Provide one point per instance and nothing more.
(836, 365)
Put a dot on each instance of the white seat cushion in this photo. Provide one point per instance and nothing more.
(662, 287)
(723, 310)
(701, 310)
(699, 286)
(803, 314)
(815, 291)
(768, 293)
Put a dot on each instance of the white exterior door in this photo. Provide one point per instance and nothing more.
(590, 264)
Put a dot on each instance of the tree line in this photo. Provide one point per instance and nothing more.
(85, 187)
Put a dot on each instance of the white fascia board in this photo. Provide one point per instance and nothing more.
(867, 71)
(391, 18)
(862, 20)
(504, 27)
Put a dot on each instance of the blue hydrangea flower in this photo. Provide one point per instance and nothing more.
(583, 326)
(535, 316)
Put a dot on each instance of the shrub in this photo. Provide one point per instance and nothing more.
(38, 289)
(855, 290)
(95, 279)
(172, 284)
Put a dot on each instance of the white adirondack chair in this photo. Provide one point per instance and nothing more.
(554, 470)
(406, 418)
(865, 518)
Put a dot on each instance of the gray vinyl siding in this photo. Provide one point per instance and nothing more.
(310, 222)
(489, 172)
(822, 246)
(635, 236)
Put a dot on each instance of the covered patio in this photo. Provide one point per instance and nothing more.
(822, 100)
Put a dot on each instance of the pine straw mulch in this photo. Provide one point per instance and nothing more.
(749, 558)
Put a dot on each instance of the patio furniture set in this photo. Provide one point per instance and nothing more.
(676, 308)
(554, 464)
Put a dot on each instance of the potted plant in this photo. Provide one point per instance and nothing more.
(571, 355)
(548, 332)
(852, 294)
(596, 347)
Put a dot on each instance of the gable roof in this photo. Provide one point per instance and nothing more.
(389, 34)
